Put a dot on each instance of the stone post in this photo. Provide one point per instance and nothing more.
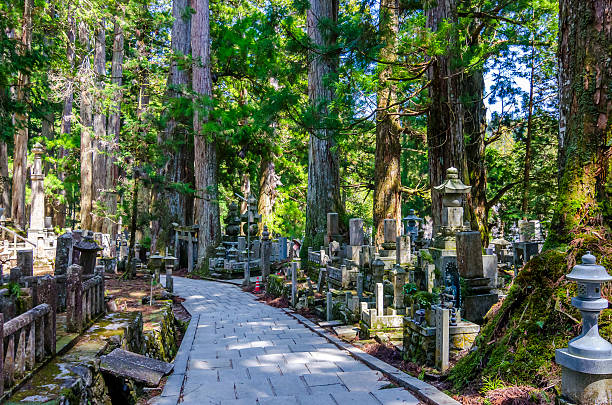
(266, 250)
(189, 253)
(25, 261)
(74, 298)
(329, 306)
(15, 275)
(390, 230)
(37, 211)
(360, 286)
(322, 275)
(63, 253)
(399, 279)
(2, 356)
(294, 289)
(380, 298)
(442, 338)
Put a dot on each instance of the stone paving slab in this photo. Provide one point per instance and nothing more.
(238, 351)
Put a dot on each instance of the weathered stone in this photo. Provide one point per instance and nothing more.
(389, 230)
(442, 338)
(380, 295)
(74, 298)
(25, 261)
(402, 249)
(294, 289)
(88, 249)
(63, 253)
(332, 224)
(469, 254)
(329, 304)
(141, 369)
(15, 275)
(356, 235)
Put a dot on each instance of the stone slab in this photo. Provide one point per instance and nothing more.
(134, 368)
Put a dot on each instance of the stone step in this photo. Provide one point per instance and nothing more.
(142, 369)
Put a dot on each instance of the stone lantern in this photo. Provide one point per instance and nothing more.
(88, 249)
(411, 225)
(453, 191)
(378, 269)
(587, 361)
(155, 263)
(169, 262)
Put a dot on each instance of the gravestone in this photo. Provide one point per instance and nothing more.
(469, 254)
(403, 251)
(329, 303)
(442, 339)
(25, 261)
(380, 298)
(282, 248)
(356, 232)
(63, 253)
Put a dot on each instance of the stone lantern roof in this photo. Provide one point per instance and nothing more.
(87, 244)
(452, 184)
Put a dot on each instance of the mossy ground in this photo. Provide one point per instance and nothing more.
(517, 344)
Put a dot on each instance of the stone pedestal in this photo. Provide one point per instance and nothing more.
(581, 388)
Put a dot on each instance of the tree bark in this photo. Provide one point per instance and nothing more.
(205, 149)
(268, 182)
(585, 121)
(60, 211)
(20, 159)
(527, 163)
(387, 176)
(474, 127)
(179, 168)
(99, 127)
(86, 82)
(114, 125)
(5, 185)
(323, 168)
(445, 117)
(245, 190)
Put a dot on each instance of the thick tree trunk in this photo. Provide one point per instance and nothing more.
(445, 117)
(5, 185)
(323, 168)
(474, 126)
(99, 127)
(114, 126)
(179, 168)
(86, 82)
(268, 181)
(527, 163)
(387, 178)
(245, 190)
(585, 121)
(60, 211)
(205, 162)
(20, 158)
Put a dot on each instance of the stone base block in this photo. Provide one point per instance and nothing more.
(475, 307)
(581, 388)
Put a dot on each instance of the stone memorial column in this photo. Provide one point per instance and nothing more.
(74, 298)
(442, 338)
(63, 253)
(380, 299)
(294, 290)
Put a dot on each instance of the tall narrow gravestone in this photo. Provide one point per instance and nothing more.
(25, 261)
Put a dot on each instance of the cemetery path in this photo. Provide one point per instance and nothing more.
(239, 351)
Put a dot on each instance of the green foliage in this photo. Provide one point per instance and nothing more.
(490, 383)
(423, 299)
(276, 286)
(14, 289)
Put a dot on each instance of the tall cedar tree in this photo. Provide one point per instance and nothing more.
(585, 121)
(387, 179)
(205, 149)
(323, 168)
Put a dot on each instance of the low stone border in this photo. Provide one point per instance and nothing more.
(423, 391)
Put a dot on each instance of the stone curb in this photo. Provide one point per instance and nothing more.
(424, 391)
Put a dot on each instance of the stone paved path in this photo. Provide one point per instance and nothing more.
(238, 351)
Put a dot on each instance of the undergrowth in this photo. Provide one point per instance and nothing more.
(517, 343)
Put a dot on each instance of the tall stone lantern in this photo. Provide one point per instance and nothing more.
(453, 192)
(587, 361)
